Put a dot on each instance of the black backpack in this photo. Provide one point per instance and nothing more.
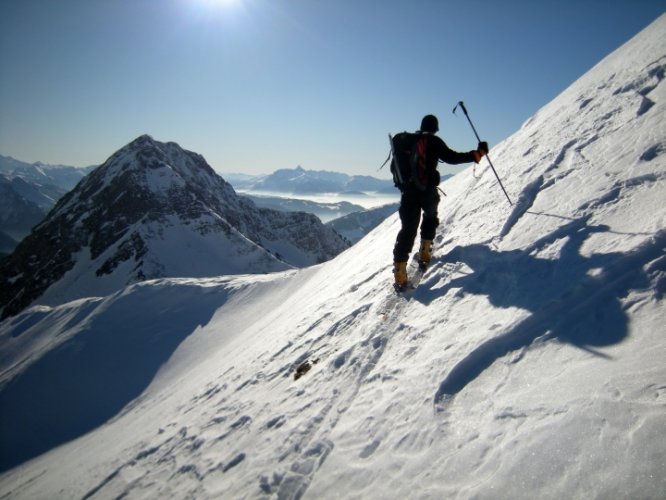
(408, 166)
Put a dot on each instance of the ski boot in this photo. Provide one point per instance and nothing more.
(425, 253)
(400, 275)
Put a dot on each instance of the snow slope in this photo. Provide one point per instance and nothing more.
(529, 362)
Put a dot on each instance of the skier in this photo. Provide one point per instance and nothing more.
(414, 200)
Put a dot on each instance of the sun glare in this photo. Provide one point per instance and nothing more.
(221, 3)
(217, 8)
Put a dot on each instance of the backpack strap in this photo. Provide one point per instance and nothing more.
(420, 174)
(387, 158)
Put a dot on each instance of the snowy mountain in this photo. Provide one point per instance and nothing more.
(17, 214)
(7, 244)
(27, 192)
(528, 363)
(154, 210)
(42, 175)
(325, 211)
(42, 196)
(357, 225)
(332, 195)
(301, 181)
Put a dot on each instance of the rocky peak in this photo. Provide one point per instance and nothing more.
(131, 218)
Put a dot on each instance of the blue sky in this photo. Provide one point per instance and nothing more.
(257, 85)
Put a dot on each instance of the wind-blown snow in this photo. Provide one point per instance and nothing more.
(528, 363)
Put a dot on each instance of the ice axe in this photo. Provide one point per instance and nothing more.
(462, 106)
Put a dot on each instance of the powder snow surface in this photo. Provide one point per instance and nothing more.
(528, 363)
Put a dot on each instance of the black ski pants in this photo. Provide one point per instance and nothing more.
(412, 202)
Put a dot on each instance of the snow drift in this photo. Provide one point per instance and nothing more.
(529, 363)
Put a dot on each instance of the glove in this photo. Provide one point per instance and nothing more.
(481, 151)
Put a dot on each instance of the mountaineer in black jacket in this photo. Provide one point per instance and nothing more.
(414, 199)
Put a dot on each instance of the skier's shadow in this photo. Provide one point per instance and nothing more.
(573, 299)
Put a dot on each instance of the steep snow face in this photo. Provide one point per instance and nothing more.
(154, 210)
(529, 362)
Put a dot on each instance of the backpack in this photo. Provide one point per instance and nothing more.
(408, 166)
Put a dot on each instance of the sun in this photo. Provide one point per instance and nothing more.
(212, 5)
(221, 3)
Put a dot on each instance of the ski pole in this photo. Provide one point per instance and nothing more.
(462, 105)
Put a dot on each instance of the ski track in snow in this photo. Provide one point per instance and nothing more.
(305, 448)
(352, 366)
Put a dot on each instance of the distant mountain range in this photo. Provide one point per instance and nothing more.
(61, 177)
(154, 210)
(288, 189)
(299, 181)
(358, 224)
(27, 192)
(326, 211)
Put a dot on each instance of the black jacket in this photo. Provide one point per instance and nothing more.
(436, 151)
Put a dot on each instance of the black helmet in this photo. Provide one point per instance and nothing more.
(429, 124)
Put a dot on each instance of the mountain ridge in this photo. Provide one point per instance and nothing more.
(300, 181)
(138, 213)
(29, 191)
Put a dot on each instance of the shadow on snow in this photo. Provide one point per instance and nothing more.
(91, 377)
(573, 299)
